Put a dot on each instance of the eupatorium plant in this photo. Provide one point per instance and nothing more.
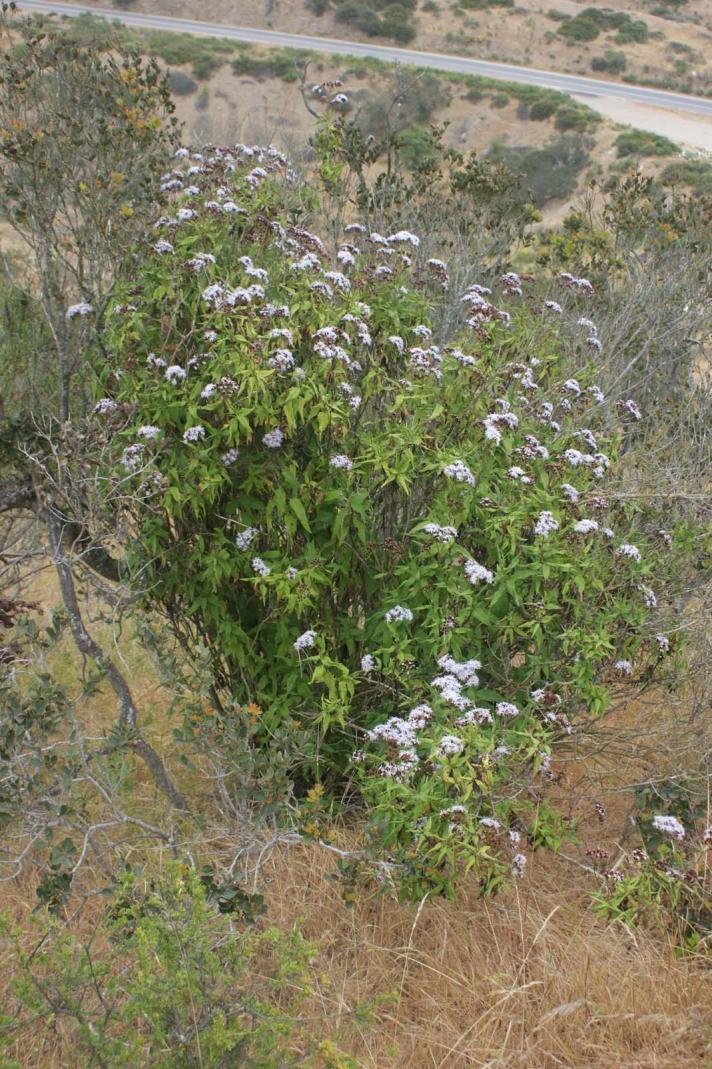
(375, 530)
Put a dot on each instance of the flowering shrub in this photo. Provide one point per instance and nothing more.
(667, 881)
(404, 546)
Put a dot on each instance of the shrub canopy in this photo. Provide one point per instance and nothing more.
(406, 546)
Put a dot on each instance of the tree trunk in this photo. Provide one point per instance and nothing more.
(86, 644)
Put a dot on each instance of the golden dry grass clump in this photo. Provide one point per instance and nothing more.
(529, 980)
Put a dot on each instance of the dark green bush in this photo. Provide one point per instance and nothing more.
(644, 143)
(576, 117)
(549, 173)
(482, 5)
(629, 30)
(543, 109)
(380, 18)
(635, 31)
(394, 24)
(694, 173)
(612, 62)
(416, 147)
(206, 65)
(579, 29)
(181, 84)
(274, 65)
(363, 17)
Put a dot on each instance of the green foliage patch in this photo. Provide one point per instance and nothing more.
(164, 979)
(644, 143)
(368, 531)
(694, 173)
(549, 173)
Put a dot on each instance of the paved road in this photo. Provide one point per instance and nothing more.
(566, 83)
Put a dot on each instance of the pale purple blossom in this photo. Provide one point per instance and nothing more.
(450, 746)
(545, 524)
(465, 672)
(149, 432)
(477, 573)
(625, 549)
(132, 457)
(631, 408)
(194, 434)
(340, 460)
(273, 439)
(519, 863)
(404, 236)
(81, 309)
(459, 471)
(441, 534)
(305, 641)
(476, 715)
(281, 360)
(519, 474)
(669, 825)
(259, 566)
(244, 539)
(398, 614)
(175, 374)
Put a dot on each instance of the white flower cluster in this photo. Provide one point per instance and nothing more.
(194, 434)
(477, 573)
(399, 614)
(450, 746)
(245, 538)
(401, 738)
(259, 566)
(625, 549)
(460, 472)
(281, 360)
(175, 374)
(668, 825)
(441, 534)
(273, 439)
(305, 641)
(340, 460)
(230, 457)
(545, 525)
(81, 309)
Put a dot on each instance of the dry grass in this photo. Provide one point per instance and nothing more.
(529, 980)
